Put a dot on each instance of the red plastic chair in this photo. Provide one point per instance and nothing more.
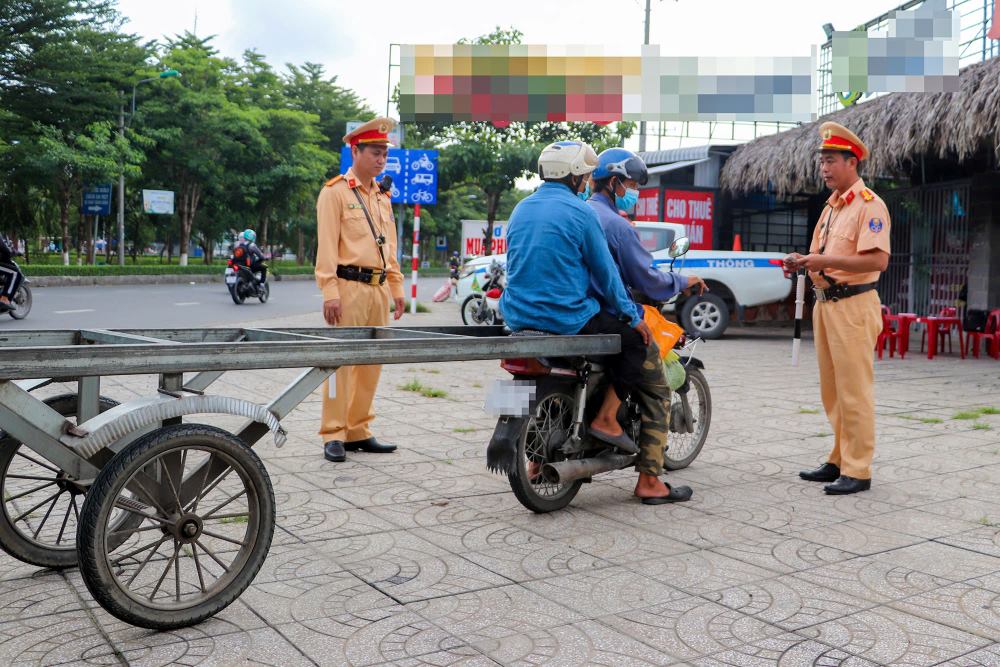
(945, 330)
(890, 334)
(991, 335)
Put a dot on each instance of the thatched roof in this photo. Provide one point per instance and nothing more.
(897, 128)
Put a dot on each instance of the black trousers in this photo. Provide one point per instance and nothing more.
(625, 368)
(10, 280)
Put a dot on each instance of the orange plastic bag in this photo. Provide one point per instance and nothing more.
(665, 332)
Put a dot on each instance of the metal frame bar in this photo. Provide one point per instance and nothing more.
(305, 348)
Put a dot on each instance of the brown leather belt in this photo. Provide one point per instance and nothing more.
(841, 291)
(361, 274)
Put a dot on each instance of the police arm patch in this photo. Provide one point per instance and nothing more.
(875, 224)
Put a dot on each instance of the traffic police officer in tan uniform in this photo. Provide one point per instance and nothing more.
(850, 247)
(357, 271)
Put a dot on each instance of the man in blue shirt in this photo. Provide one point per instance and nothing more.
(616, 179)
(556, 250)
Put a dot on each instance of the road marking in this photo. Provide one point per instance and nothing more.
(188, 303)
(73, 312)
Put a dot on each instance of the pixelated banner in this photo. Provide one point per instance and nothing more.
(919, 54)
(465, 82)
(462, 82)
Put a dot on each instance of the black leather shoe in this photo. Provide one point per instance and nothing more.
(334, 451)
(369, 445)
(825, 473)
(845, 485)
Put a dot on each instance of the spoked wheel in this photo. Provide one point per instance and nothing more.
(265, 292)
(21, 303)
(41, 505)
(541, 436)
(471, 311)
(684, 447)
(206, 508)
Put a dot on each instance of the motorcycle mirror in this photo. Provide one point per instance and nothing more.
(679, 247)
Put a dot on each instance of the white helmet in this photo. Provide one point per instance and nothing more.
(563, 158)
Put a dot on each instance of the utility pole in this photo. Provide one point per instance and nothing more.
(642, 124)
(121, 190)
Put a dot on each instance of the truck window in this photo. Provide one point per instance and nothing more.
(655, 239)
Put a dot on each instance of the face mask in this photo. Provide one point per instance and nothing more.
(626, 202)
(585, 195)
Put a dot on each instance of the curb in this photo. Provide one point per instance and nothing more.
(166, 279)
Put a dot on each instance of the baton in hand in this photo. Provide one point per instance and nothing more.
(800, 297)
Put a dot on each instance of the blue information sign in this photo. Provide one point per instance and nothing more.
(97, 200)
(414, 174)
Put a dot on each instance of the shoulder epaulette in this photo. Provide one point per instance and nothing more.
(333, 180)
(867, 194)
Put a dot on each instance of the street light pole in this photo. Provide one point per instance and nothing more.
(642, 124)
(121, 190)
(121, 174)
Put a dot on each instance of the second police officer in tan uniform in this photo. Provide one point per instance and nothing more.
(850, 247)
(357, 270)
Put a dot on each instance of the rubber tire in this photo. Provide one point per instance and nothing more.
(93, 565)
(265, 293)
(234, 291)
(22, 313)
(466, 320)
(710, 334)
(11, 539)
(695, 376)
(518, 478)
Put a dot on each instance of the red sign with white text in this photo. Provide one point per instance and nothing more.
(648, 206)
(694, 210)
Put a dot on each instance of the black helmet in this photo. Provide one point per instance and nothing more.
(620, 162)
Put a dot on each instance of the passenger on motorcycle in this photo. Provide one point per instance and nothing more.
(556, 251)
(615, 184)
(10, 277)
(254, 258)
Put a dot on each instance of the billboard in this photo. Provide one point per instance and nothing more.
(694, 210)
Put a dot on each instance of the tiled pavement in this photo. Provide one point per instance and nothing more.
(423, 558)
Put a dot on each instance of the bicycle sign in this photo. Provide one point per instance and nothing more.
(414, 174)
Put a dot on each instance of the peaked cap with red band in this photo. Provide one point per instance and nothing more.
(836, 137)
(375, 131)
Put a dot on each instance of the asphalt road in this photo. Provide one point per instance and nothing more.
(162, 306)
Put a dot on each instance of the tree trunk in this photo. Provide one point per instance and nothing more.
(300, 255)
(190, 194)
(79, 241)
(90, 245)
(492, 204)
(64, 222)
(170, 248)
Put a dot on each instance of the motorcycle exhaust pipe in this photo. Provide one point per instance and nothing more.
(563, 472)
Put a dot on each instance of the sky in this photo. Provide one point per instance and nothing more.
(353, 41)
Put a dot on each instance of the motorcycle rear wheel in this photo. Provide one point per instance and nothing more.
(234, 291)
(548, 424)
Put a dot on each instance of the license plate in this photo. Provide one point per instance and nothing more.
(230, 280)
(510, 398)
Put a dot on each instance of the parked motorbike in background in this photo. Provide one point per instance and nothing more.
(484, 307)
(541, 440)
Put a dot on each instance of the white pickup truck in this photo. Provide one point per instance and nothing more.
(736, 280)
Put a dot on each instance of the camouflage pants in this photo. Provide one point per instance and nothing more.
(652, 394)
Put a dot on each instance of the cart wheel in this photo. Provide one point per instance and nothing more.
(207, 517)
(41, 506)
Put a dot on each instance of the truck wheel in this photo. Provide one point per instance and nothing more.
(706, 316)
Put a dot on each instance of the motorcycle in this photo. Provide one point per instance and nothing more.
(484, 307)
(540, 440)
(243, 282)
(22, 298)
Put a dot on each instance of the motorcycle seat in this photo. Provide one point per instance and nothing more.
(570, 363)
